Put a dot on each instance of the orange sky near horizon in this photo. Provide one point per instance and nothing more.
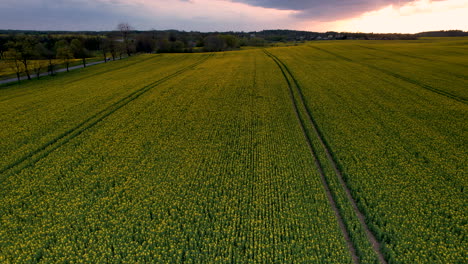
(418, 16)
(237, 15)
(409, 17)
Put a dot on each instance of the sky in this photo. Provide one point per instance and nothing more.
(383, 16)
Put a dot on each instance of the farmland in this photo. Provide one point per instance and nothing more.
(325, 152)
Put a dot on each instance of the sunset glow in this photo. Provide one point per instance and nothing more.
(423, 15)
(383, 16)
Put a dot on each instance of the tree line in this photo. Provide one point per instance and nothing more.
(26, 51)
(32, 53)
(26, 54)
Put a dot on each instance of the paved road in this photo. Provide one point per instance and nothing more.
(57, 71)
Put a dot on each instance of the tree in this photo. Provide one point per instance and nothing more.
(27, 53)
(13, 60)
(125, 29)
(120, 49)
(113, 48)
(214, 43)
(24, 48)
(177, 46)
(145, 43)
(37, 66)
(3, 47)
(256, 42)
(42, 52)
(64, 52)
(232, 42)
(164, 45)
(104, 47)
(78, 50)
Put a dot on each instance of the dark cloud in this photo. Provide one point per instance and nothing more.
(312, 4)
(325, 9)
(182, 14)
(106, 14)
(59, 15)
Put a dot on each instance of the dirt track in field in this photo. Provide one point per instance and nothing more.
(34, 156)
(294, 86)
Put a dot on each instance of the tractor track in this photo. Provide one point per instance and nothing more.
(294, 85)
(114, 69)
(313, 152)
(36, 155)
(396, 75)
(84, 77)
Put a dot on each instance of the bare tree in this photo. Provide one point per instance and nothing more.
(125, 29)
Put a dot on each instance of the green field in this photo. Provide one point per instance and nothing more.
(326, 152)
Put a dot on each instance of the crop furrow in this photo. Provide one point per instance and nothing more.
(41, 152)
(114, 69)
(319, 166)
(408, 62)
(398, 76)
(85, 77)
(411, 56)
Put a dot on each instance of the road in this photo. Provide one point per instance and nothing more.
(56, 71)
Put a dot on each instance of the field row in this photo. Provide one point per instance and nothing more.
(39, 113)
(179, 174)
(331, 152)
(399, 146)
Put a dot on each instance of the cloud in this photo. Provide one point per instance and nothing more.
(321, 10)
(417, 16)
(201, 15)
(197, 15)
(59, 15)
